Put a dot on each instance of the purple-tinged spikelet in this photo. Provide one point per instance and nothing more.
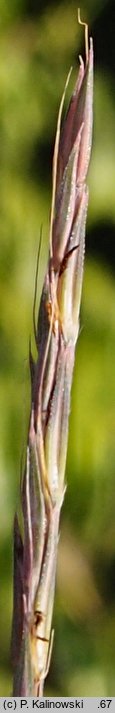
(43, 485)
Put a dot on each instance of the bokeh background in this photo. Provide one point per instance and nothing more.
(39, 40)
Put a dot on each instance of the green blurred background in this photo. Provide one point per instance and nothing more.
(39, 40)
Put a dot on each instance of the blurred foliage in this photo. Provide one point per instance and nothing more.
(37, 47)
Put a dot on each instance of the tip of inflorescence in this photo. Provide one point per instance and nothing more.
(85, 24)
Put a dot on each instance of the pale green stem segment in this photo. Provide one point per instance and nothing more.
(43, 486)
